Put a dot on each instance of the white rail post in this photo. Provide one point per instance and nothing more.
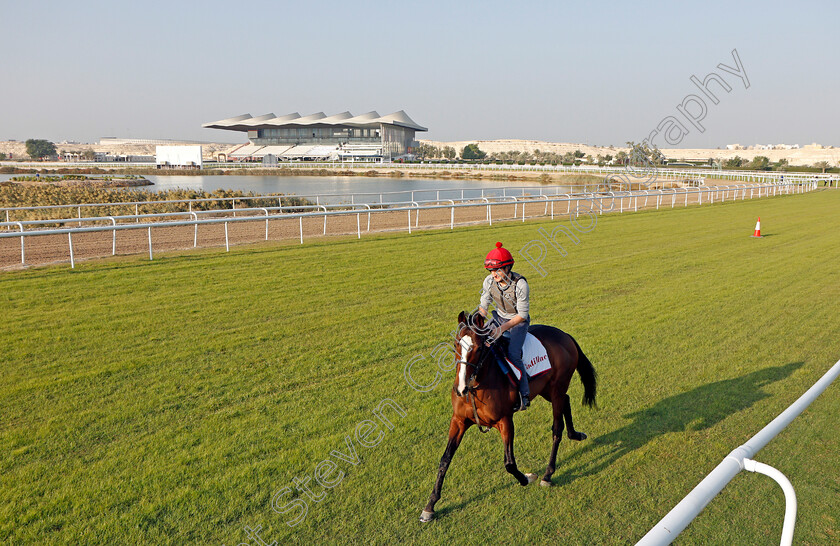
(70, 242)
(114, 238)
(22, 252)
(227, 243)
(409, 221)
(150, 243)
(266, 223)
(195, 229)
(300, 218)
(358, 226)
(790, 496)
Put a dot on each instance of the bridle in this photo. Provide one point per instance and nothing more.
(470, 384)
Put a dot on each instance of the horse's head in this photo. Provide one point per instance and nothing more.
(470, 348)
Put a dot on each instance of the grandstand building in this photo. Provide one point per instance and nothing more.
(318, 137)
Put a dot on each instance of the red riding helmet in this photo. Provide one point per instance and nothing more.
(497, 258)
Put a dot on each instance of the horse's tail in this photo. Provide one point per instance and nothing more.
(588, 376)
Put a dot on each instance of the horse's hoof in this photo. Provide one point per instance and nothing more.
(426, 516)
(531, 477)
(546, 483)
(579, 436)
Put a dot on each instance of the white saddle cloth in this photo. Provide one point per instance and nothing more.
(534, 357)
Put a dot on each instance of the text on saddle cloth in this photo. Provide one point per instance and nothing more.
(534, 357)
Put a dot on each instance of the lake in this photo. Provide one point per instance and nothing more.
(339, 189)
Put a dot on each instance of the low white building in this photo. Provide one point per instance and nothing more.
(178, 156)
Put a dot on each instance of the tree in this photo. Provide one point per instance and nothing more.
(40, 148)
(579, 154)
(89, 155)
(822, 165)
(642, 155)
(471, 151)
(733, 162)
(449, 152)
(2, 156)
(427, 151)
(760, 163)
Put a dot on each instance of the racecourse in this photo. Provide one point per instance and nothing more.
(173, 401)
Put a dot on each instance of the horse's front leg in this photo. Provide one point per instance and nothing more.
(457, 428)
(505, 427)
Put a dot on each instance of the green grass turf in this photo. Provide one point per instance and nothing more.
(169, 401)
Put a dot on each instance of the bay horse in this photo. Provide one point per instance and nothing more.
(482, 395)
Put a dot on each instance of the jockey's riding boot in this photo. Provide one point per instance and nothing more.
(524, 402)
(523, 391)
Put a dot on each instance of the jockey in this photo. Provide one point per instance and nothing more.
(509, 292)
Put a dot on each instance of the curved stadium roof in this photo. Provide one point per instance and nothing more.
(247, 122)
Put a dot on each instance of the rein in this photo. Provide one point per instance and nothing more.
(471, 389)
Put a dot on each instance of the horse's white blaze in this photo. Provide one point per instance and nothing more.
(466, 345)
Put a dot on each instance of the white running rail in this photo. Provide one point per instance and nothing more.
(684, 513)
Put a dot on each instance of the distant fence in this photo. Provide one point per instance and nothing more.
(603, 202)
(739, 459)
(381, 197)
(661, 173)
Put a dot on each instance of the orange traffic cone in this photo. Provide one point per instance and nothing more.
(757, 228)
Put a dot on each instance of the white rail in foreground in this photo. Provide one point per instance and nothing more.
(690, 507)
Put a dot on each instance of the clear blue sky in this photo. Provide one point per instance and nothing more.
(600, 73)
